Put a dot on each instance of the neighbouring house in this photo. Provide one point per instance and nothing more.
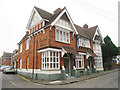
(116, 59)
(55, 48)
(6, 59)
(15, 58)
(0, 61)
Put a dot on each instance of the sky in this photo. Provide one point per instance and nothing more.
(14, 16)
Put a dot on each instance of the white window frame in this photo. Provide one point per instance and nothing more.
(48, 58)
(98, 60)
(20, 48)
(61, 37)
(79, 58)
(84, 42)
(20, 64)
(14, 64)
(27, 44)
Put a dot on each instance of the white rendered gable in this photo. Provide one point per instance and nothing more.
(60, 15)
(64, 24)
(34, 19)
(97, 32)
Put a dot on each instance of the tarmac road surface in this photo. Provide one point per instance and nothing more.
(105, 81)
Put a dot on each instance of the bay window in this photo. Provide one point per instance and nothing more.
(79, 61)
(50, 60)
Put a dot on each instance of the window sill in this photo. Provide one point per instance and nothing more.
(62, 42)
(50, 69)
(80, 68)
(27, 49)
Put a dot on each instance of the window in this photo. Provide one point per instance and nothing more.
(98, 60)
(97, 46)
(27, 63)
(84, 42)
(79, 61)
(14, 64)
(20, 64)
(50, 60)
(27, 44)
(62, 36)
(20, 48)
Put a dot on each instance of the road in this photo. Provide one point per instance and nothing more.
(105, 81)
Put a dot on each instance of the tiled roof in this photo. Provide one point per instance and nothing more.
(70, 50)
(44, 14)
(91, 31)
(88, 33)
(81, 31)
(49, 16)
(84, 50)
(91, 52)
(7, 55)
(26, 35)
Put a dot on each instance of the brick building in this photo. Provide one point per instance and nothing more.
(6, 58)
(56, 48)
(14, 58)
(0, 61)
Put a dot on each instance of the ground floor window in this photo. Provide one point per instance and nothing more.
(14, 64)
(79, 61)
(50, 60)
(20, 63)
(98, 61)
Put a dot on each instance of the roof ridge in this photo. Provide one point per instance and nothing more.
(43, 10)
(93, 27)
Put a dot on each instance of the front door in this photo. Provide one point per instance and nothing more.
(89, 62)
(66, 65)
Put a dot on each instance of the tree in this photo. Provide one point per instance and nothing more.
(108, 51)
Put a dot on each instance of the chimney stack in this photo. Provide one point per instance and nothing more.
(27, 32)
(57, 10)
(85, 26)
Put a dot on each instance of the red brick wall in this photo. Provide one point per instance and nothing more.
(41, 40)
(6, 62)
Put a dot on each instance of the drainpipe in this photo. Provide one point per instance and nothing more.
(33, 55)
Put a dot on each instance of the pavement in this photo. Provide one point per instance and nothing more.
(68, 81)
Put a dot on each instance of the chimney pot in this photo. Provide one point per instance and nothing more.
(85, 26)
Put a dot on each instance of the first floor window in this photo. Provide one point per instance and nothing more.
(27, 44)
(79, 61)
(20, 63)
(50, 60)
(20, 48)
(62, 36)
